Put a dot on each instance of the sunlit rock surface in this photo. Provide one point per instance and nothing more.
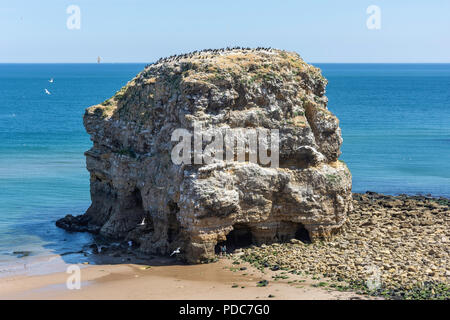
(197, 207)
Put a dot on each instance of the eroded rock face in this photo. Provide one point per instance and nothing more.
(195, 207)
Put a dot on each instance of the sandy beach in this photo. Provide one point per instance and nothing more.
(166, 282)
(415, 254)
(412, 263)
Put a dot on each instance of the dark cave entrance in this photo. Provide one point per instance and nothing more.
(239, 237)
(173, 228)
(302, 234)
(133, 209)
(136, 199)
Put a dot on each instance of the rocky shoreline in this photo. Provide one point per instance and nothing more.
(391, 246)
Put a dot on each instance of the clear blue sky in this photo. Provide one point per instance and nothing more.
(143, 31)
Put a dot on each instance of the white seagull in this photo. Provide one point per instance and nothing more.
(47, 92)
(142, 223)
(51, 80)
(175, 252)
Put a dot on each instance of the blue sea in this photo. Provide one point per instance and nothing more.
(395, 120)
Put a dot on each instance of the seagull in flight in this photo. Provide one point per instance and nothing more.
(47, 92)
(175, 252)
(142, 223)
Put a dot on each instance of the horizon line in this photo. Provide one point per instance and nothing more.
(310, 62)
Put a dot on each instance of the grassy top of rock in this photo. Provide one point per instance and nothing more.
(244, 70)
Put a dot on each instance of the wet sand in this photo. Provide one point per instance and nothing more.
(165, 282)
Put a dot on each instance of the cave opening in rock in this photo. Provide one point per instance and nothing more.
(136, 199)
(135, 208)
(239, 237)
(302, 234)
(173, 225)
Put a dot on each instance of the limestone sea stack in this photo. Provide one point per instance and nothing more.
(228, 201)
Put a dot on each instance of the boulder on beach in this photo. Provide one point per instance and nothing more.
(217, 148)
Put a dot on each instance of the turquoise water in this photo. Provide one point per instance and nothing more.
(395, 121)
(42, 166)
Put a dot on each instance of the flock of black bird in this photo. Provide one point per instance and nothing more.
(177, 57)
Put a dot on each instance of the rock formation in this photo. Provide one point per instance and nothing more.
(199, 206)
